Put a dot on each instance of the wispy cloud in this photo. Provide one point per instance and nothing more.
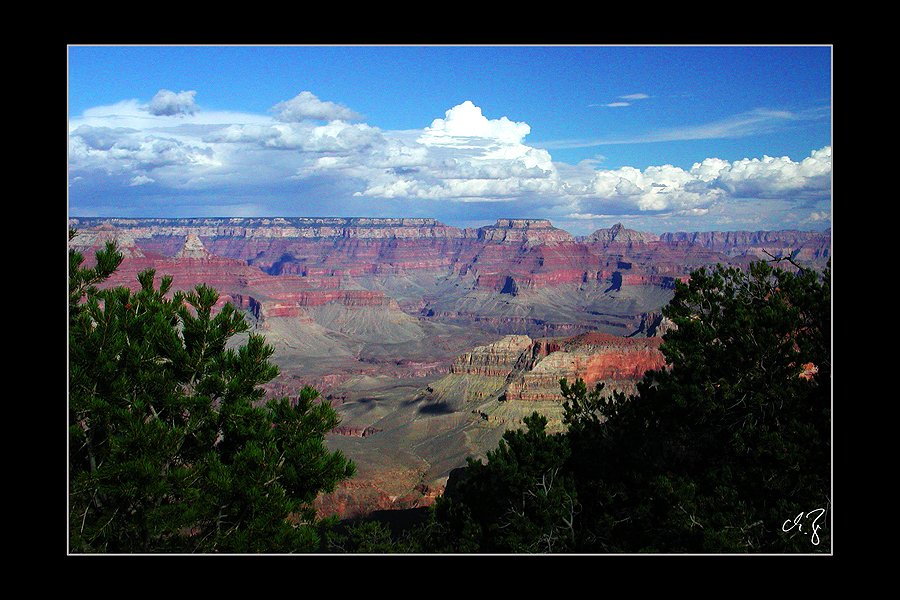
(759, 121)
(629, 97)
(755, 122)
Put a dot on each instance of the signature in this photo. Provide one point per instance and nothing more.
(797, 522)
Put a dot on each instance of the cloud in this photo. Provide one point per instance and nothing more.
(774, 177)
(464, 123)
(335, 136)
(755, 122)
(306, 106)
(759, 121)
(307, 155)
(818, 217)
(466, 157)
(168, 103)
(657, 188)
(125, 150)
(628, 97)
(99, 138)
(140, 117)
(704, 187)
(141, 180)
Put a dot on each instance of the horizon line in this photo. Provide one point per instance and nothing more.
(433, 219)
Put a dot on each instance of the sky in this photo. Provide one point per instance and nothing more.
(658, 138)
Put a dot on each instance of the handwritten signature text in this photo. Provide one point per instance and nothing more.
(799, 522)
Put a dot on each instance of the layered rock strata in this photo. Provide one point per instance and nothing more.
(811, 247)
(513, 256)
(354, 303)
(517, 375)
(516, 276)
(618, 363)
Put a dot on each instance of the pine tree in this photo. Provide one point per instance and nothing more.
(520, 499)
(718, 450)
(727, 449)
(172, 445)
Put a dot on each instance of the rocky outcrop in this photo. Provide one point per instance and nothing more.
(386, 239)
(517, 276)
(487, 391)
(517, 374)
(98, 239)
(277, 227)
(495, 360)
(618, 363)
(804, 246)
(191, 265)
(529, 232)
(193, 249)
(348, 298)
(618, 234)
(355, 431)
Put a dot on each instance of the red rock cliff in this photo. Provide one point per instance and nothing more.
(532, 368)
(617, 362)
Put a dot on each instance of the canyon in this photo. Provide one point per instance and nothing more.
(431, 340)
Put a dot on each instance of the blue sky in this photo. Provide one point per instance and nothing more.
(669, 138)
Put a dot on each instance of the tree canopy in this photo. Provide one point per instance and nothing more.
(727, 449)
(172, 444)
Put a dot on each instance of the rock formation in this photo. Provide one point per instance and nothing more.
(517, 375)
(811, 247)
(528, 232)
(618, 234)
(418, 261)
(619, 363)
(431, 340)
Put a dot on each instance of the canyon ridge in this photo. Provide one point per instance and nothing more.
(431, 340)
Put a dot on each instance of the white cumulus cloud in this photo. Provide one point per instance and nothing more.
(306, 106)
(775, 176)
(168, 146)
(464, 123)
(707, 186)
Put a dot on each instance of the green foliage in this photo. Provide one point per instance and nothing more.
(171, 447)
(365, 537)
(727, 449)
(83, 280)
(519, 500)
